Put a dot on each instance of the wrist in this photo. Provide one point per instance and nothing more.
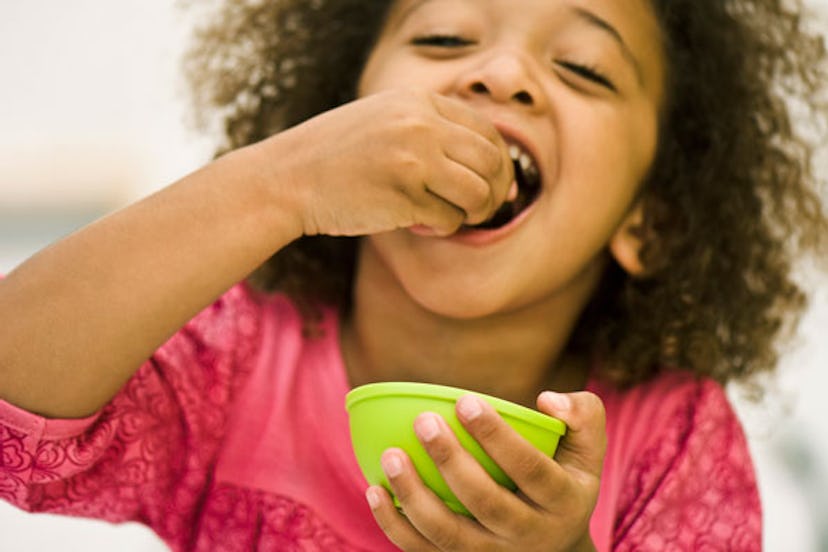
(276, 186)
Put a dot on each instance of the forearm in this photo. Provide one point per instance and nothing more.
(80, 316)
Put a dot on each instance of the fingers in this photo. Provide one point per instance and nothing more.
(460, 196)
(473, 142)
(539, 478)
(554, 493)
(425, 513)
(456, 154)
(461, 114)
(460, 179)
(394, 524)
(393, 160)
(467, 190)
(438, 215)
(495, 507)
(583, 447)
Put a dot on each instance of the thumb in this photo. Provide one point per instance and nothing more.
(585, 442)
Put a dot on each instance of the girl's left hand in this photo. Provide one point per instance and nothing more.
(555, 497)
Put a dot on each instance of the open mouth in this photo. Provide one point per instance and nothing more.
(528, 178)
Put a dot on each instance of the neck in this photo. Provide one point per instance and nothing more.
(513, 355)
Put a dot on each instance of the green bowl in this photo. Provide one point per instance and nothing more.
(382, 416)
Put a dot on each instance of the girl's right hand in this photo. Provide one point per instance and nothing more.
(397, 159)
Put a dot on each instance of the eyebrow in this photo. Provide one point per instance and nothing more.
(583, 14)
(595, 21)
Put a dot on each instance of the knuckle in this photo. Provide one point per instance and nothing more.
(491, 159)
(410, 173)
(445, 538)
(441, 455)
(532, 467)
(391, 524)
(485, 507)
(398, 537)
(593, 401)
(386, 524)
(484, 429)
(403, 494)
(556, 489)
(403, 161)
(479, 200)
(418, 126)
(593, 406)
(452, 221)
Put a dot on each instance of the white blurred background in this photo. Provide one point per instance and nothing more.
(92, 116)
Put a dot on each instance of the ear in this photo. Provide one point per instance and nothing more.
(625, 245)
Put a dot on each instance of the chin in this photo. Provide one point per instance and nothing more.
(435, 282)
(450, 300)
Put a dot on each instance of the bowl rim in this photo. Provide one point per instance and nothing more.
(450, 394)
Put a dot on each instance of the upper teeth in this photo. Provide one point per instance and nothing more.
(519, 155)
(522, 157)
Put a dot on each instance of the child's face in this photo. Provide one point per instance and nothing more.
(578, 83)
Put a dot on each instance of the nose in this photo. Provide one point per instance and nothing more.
(505, 77)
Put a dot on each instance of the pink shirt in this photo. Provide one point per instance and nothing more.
(233, 436)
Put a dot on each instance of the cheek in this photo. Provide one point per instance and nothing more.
(607, 149)
(372, 73)
(377, 79)
(595, 149)
(386, 71)
(641, 138)
(366, 79)
(599, 176)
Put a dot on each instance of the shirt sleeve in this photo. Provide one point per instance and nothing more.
(693, 487)
(146, 456)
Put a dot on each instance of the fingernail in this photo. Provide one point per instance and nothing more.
(373, 498)
(391, 464)
(427, 427)
(469, 407)
(558, 401)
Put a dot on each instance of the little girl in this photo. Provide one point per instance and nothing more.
(581, 206)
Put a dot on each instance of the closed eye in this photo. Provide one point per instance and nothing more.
(441, 41)
(588, 73)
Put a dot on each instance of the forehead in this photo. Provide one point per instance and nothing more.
(520, 5)
(636, 17)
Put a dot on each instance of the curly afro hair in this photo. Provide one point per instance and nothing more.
(730, 201)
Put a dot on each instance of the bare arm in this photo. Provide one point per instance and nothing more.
(82, 315)
(128, 281)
